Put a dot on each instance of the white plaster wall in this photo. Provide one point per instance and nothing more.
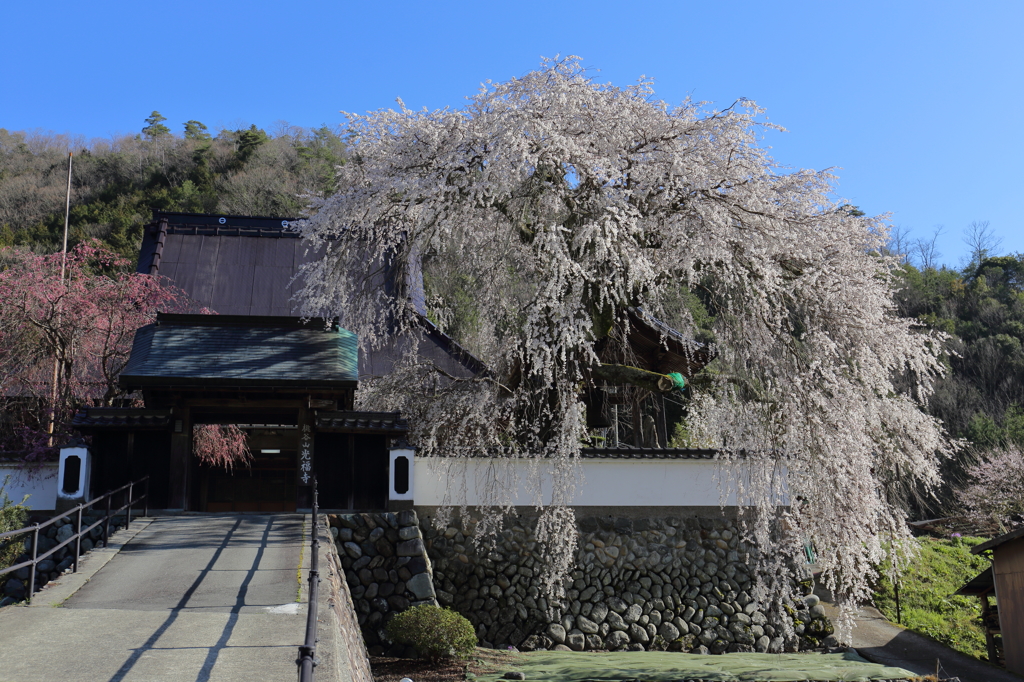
(604, 482)
(41, 486)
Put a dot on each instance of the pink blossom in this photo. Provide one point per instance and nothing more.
(220, 445)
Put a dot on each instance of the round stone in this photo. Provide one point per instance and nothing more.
(669, 632)
(586, 626)
(15, 589)
(616, 640)
(64, 533)
(615, 621)
(556, 632)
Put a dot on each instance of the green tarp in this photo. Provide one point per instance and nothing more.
(661, 666)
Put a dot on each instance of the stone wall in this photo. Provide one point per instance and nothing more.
(386, 567)
(650, 583)
(350, 663)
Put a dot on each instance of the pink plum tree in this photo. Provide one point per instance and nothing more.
(64, 341)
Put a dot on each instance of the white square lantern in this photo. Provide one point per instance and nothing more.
(401, 473)
(73, 476)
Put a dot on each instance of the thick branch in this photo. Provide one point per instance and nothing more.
(624, 374)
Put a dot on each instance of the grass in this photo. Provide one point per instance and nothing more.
(486, 665)
(926, 593)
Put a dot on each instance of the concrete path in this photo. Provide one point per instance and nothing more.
(881, 641)
(187, 598)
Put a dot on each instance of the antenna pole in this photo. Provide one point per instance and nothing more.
(67, 215)
(63, 269)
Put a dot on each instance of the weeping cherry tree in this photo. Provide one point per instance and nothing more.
(552, 205)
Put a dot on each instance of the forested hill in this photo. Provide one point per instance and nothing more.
(982, 309)
(981, 399)
(117, 182)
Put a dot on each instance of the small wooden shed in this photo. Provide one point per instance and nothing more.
(1007, 554)
(983, 586)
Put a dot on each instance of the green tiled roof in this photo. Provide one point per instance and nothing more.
(241, 350)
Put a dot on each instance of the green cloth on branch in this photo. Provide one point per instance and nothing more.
(678, 380)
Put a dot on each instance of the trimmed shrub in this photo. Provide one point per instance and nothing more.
(435, 632)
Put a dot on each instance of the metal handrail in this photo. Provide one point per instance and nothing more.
(79, 531)
(307, 660)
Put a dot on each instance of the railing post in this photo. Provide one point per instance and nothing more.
(106, 523)
(145, 497)
(128, 518)
(78, 537)
(306, 663)
(32, 571)
(307, 652)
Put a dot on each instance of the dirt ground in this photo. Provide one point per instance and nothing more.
(482, 661)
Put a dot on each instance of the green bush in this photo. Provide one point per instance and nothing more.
(435, 632)
(12, 515)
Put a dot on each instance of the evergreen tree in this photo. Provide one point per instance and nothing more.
(155, 126)
(194, 130)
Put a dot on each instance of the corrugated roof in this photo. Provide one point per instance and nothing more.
(995, 542)
(234, 265)
(983, 583)
(119, 418)
(239, 350)
(370, 422)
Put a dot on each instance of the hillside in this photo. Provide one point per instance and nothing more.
(981, 309)
(117, 182)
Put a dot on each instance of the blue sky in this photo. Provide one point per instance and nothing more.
(917, 104)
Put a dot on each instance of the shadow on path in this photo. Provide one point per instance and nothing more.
(881, 641)
(213, 651)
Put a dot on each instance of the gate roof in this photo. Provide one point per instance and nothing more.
(241, 351)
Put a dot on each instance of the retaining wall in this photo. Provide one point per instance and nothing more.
(639, 583)
(347, 659)
(386, 567)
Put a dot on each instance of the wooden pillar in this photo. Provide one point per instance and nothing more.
(662, 421)
(351, 471)
(635, 403)
(305, 460)
(181, 456)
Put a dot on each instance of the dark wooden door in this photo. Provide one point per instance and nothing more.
(351, 471)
